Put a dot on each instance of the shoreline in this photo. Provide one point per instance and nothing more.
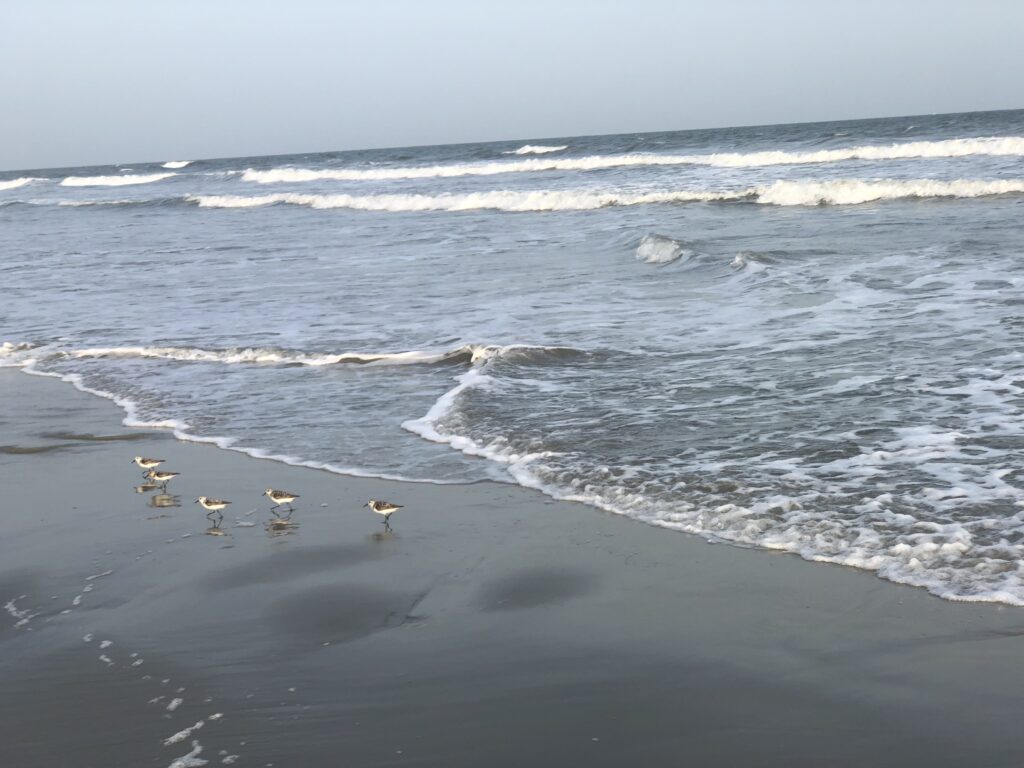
(493, 624)
(180, 431)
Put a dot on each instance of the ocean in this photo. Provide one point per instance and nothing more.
(798, 337)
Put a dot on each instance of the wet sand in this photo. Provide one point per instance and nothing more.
(491, 627)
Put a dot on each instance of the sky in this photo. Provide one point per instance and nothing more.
(113, 81)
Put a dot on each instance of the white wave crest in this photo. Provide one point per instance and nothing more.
(658, 249)
(14, 355)
(175, 164)
(855, 191)
(258, 355)
(989, 145)
(498, 200)
(15, 183)
(114, 181)
(537, 149)
(834, 192)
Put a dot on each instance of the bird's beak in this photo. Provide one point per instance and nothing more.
(196, 501)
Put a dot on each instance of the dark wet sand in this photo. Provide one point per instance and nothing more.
(492, 627)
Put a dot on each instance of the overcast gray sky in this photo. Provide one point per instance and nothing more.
(132, 80)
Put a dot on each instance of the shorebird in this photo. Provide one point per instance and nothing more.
(147, 464)
(212, 505)
(161, 477)
(384, 508)
(281, 497)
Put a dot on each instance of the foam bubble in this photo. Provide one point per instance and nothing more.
(191, 760)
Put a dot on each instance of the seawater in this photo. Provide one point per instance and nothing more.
(802, 337)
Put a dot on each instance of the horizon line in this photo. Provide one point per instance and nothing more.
(512, 140)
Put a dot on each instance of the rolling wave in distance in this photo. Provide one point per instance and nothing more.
(828, 192)
(16, 183)
(114, 181)
(949, 148)
(537, 149)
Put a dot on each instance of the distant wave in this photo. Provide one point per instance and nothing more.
(998, 146)
(15, 183)
(536, 149)
(176, 164)
(833, 192)
(113, 181)
(499, 200)
(855, 191)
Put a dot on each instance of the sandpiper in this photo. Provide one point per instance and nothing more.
(385, 508)
(161, 477)
(212, 505)
(147, 464)
(281, 497)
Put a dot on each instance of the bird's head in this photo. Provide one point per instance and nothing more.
(370, 503)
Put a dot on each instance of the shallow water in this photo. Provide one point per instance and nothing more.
(804, 337)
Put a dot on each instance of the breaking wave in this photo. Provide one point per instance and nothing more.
(175, 164)
(855, 191)
(499, 200)
(658, 249)
(831, 192)
(15, 183)
(536, 149)
(20, 354)
(114, 181)
(993, 146)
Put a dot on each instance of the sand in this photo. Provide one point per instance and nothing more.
(490, 627)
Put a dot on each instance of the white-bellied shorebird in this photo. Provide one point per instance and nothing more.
(161, 477)
(212, 505)
(281, 497)
(384, 508)
(147, 464)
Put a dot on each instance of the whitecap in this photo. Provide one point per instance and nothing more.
(114, 181)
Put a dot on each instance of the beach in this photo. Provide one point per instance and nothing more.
(490, 626)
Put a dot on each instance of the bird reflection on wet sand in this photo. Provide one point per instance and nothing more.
(281, 526)
(164, 500)
(146, 487)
